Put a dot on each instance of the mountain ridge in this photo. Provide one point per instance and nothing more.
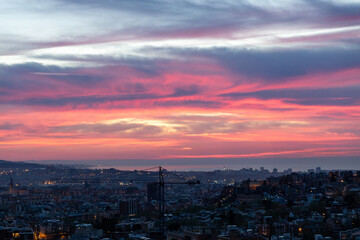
(11, 164)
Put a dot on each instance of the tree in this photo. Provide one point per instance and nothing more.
(352, 199)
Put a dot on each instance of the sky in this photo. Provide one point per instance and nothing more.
(194, 82)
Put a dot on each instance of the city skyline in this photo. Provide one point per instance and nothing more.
(198, 82)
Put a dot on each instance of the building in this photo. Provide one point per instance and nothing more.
(11, 186)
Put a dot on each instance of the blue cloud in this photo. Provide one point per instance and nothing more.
(326, 96)
(281, 64)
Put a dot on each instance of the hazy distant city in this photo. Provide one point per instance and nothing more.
(211, 164)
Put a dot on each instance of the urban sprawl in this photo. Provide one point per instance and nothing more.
(61, 202)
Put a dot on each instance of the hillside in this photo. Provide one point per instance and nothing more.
(10, 164)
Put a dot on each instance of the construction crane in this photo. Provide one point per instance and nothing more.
(160, 189)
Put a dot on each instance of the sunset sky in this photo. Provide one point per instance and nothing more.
(187, 80)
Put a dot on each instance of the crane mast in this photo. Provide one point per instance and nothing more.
(161, 204)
